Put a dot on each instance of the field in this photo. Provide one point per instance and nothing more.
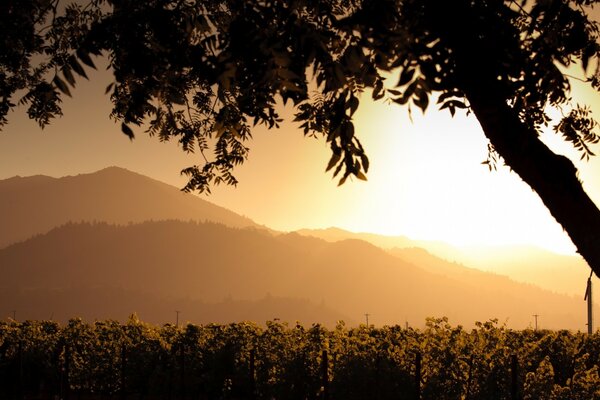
(135, 360)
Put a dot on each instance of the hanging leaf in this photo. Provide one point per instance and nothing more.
(127, 131)
(352, 104)
(359, 174)
(109, 87)
(84, 56)
(422, 100)
(61, 85)
(365, 162)
(68, 75)
(402, 100)
(335, 158)
(447, 95)
(343, 180)
(378, 91)
(77, 67)
(348, 128)
(405, 76)
(410, 90)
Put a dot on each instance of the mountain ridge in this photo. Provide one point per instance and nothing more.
(31, 205)
(206, 262)
(527, 264)
(360, 273)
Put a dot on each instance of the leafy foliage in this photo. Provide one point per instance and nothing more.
(205, 72)
(107, 359)
(578, 129)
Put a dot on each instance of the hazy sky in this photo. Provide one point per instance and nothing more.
(426, 179)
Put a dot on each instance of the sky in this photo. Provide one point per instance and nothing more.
(426, 179)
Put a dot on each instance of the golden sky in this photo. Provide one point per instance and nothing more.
(426, 179)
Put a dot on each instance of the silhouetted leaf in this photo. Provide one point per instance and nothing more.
(452, 105)
(348, 128)
(61, 85)
(335, 158)
(343, 180)
(405, 76)
(410, 90)
(365, 162)
(402, 100)
(68, 75)
(127, 131)
(352, 104)
(422, 100)
(84, 56)
(378, 91)
(77, 67)
(359, 174)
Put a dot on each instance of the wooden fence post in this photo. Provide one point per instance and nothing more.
(418, 376)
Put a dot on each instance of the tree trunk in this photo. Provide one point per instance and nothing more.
(551, 176)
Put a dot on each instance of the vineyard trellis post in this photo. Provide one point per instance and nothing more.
(590, 313)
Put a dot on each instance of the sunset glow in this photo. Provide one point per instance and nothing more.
(268, 99)
(426, 179)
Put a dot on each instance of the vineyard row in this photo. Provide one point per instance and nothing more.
(111, 360)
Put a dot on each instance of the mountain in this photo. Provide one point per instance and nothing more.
(36, 204)
(527, 264)
(441, 249)
(557, 272)
(203, 263)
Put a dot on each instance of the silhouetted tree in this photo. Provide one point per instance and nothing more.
(204, 71)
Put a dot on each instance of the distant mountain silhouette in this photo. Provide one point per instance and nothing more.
(36, 204)
(205, 263)
(527, 264)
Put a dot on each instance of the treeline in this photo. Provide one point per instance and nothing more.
(135, 360)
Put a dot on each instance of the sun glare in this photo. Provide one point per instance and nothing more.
(428, 182)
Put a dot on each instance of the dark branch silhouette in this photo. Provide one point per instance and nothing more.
(204, 72)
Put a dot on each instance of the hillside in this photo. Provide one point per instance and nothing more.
(32, 205)
(535, 266)
(205, 262)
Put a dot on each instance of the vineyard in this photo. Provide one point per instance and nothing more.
(135, 360)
